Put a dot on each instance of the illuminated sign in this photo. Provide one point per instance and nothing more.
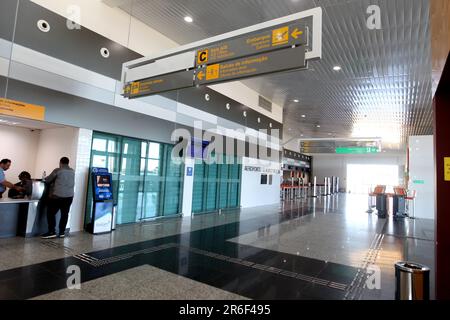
(357, 150)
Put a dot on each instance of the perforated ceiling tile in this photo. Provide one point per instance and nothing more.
(384, 88)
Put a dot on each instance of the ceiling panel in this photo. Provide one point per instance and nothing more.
(383, 90)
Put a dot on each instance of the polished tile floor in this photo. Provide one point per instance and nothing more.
(306, 249)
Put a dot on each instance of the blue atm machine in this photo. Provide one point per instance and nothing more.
(103, 201)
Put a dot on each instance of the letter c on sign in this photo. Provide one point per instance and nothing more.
(203, 57)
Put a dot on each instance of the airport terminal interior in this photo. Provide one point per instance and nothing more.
(224, 150)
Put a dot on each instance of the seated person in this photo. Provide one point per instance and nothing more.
(25, 184)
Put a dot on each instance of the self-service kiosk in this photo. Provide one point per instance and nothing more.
(103, 201)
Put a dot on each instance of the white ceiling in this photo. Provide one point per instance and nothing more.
(383, 89)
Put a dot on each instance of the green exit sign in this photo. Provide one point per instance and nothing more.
(356, 150)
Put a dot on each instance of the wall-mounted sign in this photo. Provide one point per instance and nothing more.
(419, 181)
(267, 40)
(356, 150)
(21, 109)
(447, 168)
(276, 61)
(189, 171)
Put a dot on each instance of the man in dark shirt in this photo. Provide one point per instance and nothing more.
(61, 182)
(26, 183)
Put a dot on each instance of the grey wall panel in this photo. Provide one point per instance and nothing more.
(53, 81)
(5, 48)
(79, 47)
(7, 18)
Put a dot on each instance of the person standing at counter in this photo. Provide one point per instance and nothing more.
(26, 183)
(5, 164)
(61, 182)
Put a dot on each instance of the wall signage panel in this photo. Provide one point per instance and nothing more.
(21, 109)
(159, 84)
(284, 60)
(447, 168)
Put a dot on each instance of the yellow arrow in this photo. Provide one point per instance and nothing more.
(201, 75)
(296, 33)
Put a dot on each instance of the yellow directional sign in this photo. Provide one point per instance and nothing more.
(280, 36)
(202, 57)
(21, 109)
(201, 75)
(296, 33)
(447, 168)
(287, 35)
(281, 60)
(168, 82)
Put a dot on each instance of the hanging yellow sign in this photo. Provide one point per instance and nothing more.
(447, 168)
(21, 109)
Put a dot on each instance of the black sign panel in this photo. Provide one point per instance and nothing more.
(282, 60)
(168, 82)
(274, 38)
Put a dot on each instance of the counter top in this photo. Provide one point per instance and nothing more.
(7, 200)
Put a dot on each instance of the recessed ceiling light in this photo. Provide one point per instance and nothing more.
(296, 100)
(337, 68)
(303, 115)
(188, 19)
(301, 135)
(318, 126)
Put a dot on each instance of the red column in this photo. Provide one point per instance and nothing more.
(441, 105)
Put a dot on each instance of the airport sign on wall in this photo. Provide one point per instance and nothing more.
(276, 61)
(357, 150)
(21, 109)
(271, 39)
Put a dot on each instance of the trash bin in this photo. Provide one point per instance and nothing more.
(412, 281)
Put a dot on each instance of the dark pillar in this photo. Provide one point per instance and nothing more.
(441, 105)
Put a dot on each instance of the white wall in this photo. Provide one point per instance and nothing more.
(53, 144)
(422, 174)
(81, 164)
(253, 193)
(327, 165)
(19, 145)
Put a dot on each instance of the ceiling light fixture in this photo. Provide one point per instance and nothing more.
(188, 19)
(337, 68)
(318, 126)
(303, 115)
(296, 100)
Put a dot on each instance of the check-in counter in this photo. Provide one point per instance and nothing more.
(24, 217)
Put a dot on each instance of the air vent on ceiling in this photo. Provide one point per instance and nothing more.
(266, 104)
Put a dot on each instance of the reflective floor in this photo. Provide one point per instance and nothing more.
(323, 248)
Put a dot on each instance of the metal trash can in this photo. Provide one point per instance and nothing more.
(412, 281)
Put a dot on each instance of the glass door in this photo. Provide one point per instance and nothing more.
(129, 204)
(153, 180)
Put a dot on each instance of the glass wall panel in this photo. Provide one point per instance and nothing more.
(216, 186)
(147, 184)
